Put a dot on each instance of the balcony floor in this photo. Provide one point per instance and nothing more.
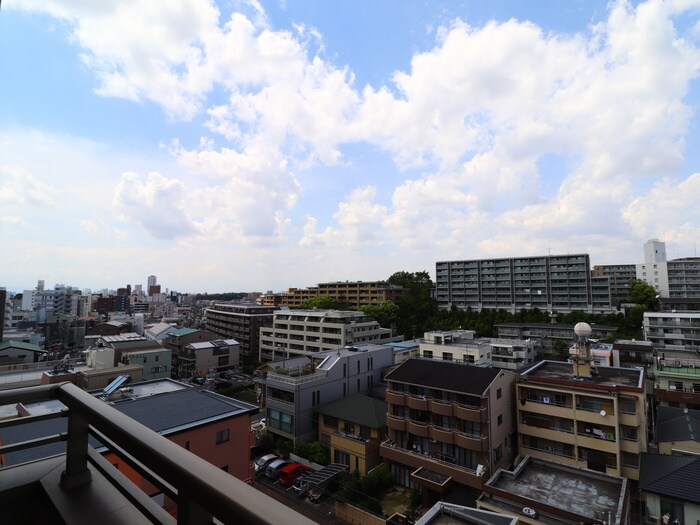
(31, 493)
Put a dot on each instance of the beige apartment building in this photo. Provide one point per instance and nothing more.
(596, 421)
(353, 293)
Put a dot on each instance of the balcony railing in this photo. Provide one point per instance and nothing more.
(202, 491)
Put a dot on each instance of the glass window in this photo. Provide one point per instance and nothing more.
(222, 436)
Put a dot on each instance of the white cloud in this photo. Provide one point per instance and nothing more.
(472, 123)
(157, 204)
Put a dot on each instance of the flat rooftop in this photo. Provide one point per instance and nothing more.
(548, 486)
(605, 375)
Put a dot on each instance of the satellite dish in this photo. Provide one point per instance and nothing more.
(603, 413)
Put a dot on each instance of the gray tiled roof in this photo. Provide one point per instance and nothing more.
(678, 424)
(673, 476)
(164, 413)
(360, 409)
(445, 375)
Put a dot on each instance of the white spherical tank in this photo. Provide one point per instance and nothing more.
(583, 330)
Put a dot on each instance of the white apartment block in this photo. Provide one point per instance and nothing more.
(460, 345)
(307, 332)
(676, 279)
(677, 334)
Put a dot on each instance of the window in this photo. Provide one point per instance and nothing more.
(358, 366)
(222, 436)
(630, 460)
(280, 420)
(341, 457)
(358, 384)
(499, 393)
(500, 419)
(447, 356)
(428, 354)
(330, 421)
(187, 445)
(498, 453)
(349, 428)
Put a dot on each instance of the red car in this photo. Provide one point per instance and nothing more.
(291, 472)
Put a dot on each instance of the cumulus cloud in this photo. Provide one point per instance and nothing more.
(156, 203)
(472, 124)
(19, 189)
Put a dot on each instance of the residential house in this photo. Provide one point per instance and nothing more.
(678, 430)
(295, 389)
(670, 487)
(353, 428)
(209, 357)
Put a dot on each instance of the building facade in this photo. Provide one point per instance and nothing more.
(448, 423)
(307, 332)
(596, 421)
(675, 334)
(460, 345)
(353, 428)
(293, 391)
(241, 322)
(353, 293)
(619, 276)
(561, 283)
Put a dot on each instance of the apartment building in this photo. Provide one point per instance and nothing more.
(353, 293)
(448, 423)
(460, 345)
(620, 276)
(560, 283)
(549, 338)
(293, 390)
(675, 334)
(583, 416)
(677, 279)
(307, 332)
(677, 382)
(542, 492)
(241, 322)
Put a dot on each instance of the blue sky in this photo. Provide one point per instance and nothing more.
(265, 145)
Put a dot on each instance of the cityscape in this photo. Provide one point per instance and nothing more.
(307, 397)
(377, 263)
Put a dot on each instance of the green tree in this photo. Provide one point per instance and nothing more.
(314, 451)
(416, 307)
(386, 314)
(644, 294)
(323, 302)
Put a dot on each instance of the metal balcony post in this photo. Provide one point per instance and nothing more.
(76, 473)
(189, 512)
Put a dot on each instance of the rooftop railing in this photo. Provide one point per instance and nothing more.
(201, 490)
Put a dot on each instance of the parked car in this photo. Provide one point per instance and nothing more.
(262, 462)
(273, 469)
(300, 486)
(291, 472)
